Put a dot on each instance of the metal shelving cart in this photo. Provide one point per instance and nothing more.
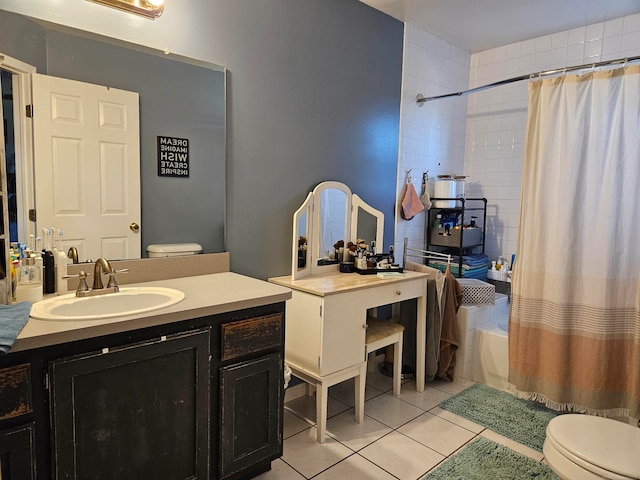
(451, 237)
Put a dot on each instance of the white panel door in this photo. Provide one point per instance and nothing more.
(87, 166)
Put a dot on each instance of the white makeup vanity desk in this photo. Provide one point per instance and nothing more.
(326, 316)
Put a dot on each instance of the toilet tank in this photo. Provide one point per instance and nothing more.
(173, 249)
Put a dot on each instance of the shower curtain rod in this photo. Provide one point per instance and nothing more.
(420, 99)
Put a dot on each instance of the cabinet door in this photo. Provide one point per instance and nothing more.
(251, 396)
(139, 412)
(17, 458)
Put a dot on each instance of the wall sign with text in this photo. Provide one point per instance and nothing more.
(173, 157)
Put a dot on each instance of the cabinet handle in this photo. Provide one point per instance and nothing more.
(365, 326)
(398, 292)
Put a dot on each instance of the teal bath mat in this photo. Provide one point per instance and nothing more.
(521, 420)
(483, 459)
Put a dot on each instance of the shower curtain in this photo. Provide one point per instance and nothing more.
(574, 329)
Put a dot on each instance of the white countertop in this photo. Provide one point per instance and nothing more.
(336, 282)
(204, 295)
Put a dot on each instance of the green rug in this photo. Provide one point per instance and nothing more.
(483, 459)
(521, 420)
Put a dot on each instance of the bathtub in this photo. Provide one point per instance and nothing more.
(491, 345)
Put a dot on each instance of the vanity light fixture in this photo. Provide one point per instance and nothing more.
(147, 8)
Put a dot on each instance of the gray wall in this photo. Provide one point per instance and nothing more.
(314, 95)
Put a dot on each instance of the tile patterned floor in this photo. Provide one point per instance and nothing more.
(401, 437)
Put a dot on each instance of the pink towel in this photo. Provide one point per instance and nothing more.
(411, 203)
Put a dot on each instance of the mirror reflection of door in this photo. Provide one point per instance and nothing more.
(87, 155)
(16, 94)
(6, 85)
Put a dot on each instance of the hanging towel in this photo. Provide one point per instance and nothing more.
(449, 335)
(411, 204)
(408, 312)
(13, 318)
(424, 194)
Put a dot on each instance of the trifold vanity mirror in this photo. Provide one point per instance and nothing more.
(329, 214)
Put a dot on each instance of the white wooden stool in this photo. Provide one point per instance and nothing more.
(322, 384)
(380, 334)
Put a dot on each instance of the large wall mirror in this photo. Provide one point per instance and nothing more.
(178, 98)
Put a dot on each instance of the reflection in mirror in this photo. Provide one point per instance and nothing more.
(367, 223)
(333, 224)
(302, 232)
(302, 240)
(366, 227)
(179, 98)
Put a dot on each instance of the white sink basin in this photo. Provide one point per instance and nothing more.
(128, 301)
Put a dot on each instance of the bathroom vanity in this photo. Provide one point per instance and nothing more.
(190, 391)
(328, 309)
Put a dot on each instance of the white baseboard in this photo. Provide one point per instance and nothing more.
(295, 391)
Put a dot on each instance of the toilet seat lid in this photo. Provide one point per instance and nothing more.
(608, 444)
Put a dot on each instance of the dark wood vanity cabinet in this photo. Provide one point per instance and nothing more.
(251, 378)
(198, 399)
(140, 411)
(17, 433)
(17, 455)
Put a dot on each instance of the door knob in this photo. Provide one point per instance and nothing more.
(134, 227)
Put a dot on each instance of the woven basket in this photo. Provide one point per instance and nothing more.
(476, 292)
(472, 236)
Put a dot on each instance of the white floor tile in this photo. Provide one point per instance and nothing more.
(401, 437)
(401, 456)
(451, 387)
(457, 419)
(345, 392)
(391, 411)
(293, 424)
(379, 381)
(355, 468)
(355, 435)
(309, 457)
(305, 407)
(280, 471)
(430, 398)
(436, 433)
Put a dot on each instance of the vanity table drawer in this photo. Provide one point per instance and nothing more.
(252, 335)
(397, 292)
(15, 391)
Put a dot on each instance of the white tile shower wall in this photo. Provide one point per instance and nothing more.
(496, 118)
(431, 136)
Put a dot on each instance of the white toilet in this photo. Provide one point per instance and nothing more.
(586, 447)
(173, 249)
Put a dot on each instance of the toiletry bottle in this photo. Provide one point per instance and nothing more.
(29, 287)
(60, 265)
(48, 260)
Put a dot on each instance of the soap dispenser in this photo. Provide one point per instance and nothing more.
(29, 287)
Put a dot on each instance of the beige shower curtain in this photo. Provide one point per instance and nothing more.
(574, 330)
